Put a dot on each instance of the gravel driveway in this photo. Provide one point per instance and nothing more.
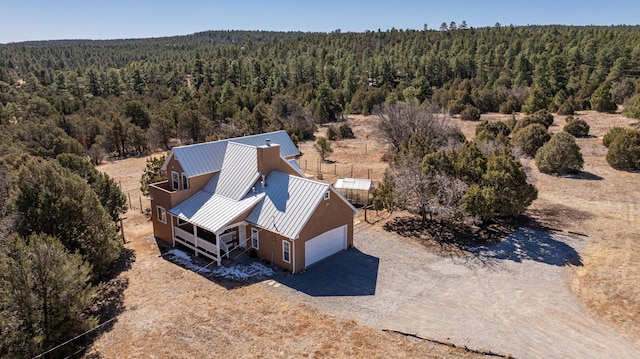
(511, 298)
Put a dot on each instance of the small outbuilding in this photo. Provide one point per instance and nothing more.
(355, 190)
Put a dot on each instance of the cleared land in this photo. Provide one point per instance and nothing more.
(167, 311)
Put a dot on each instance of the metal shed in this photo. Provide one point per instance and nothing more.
(355, 190)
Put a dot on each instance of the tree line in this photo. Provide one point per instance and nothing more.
(125, 97)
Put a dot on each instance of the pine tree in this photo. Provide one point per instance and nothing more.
(44, 295)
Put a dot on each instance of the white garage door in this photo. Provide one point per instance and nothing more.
(324, 245)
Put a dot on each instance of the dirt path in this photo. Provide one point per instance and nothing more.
(511, 298)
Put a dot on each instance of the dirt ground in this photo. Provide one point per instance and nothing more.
(167, 311)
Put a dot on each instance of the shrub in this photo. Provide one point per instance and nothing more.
(511, 105)
(470, 113)
(332, 134)
(624, 151)
(568, 107)
(495, 128)
(530, 138)
(561, 155)
(346, 131)
(576, 127)
(632, 107)
(542, 117)
(612, 135)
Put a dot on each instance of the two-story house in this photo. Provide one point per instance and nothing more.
(249, 193)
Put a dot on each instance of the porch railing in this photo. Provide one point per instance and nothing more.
(203, 246)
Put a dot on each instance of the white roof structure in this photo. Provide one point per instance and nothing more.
(288, 203)
(359, 184)
(239, 171)
(208, 157)
(213, 212)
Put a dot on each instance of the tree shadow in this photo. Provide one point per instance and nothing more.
(108, 301)
(517, 239)
(451, 236)
(532, 244)
(584, 175)
(348, 273)
(109, 298)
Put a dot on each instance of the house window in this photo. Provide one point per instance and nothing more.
(286, 251)
(185, 181)
(175, 181)
(162, 214)
(255, 240)
(327, 195)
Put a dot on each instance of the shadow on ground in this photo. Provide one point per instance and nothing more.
(231, 275)
(348, 273)
(518, 239)
(531, 244)
(108, 302)
(584, 175)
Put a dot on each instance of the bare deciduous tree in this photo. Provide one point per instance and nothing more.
(398, 122)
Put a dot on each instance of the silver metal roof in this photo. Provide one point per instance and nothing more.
(288, 204)
(295, 165)
(353, 183)
(239, 171)
(213, 212)
(208, 157)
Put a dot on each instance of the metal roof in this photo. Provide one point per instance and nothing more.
(239, 171)
(208, 157)
(288, 204)
(353, 183)
(295, 165)
(213, 212)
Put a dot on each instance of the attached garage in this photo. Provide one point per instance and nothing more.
(324, 245)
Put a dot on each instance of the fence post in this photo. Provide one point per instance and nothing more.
(335, 169)
(368, 173)
(141, 211)
(130, 206)
(124, 241)
(351, 171)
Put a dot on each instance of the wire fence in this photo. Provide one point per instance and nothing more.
(340, 170)
(138, 203)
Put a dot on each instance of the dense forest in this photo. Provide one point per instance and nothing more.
(70, 103)
(123, 97)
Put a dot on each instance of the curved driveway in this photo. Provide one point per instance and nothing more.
(511, 298)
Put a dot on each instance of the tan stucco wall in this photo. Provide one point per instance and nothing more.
(162, 194)
(329, 214)
(270, 248)
(269, 160)
(161, 197)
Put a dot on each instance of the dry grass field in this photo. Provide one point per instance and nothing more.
(167, 311)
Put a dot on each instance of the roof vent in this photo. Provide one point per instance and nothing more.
(268, 142)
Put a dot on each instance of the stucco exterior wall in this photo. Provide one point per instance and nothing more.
(162, 194)
(270, 248)
(329, 214)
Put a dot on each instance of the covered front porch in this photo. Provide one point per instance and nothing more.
(213, 245)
